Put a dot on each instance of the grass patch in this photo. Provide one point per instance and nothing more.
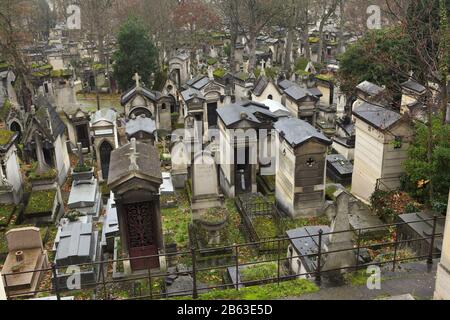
(5, 136)
(258, 272)
(265, 227)
(50, 174)
(3, 243)
(294, 288)
(41, 202)
(6, 212)
(176, 221)
(4, 112)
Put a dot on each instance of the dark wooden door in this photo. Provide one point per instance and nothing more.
(83, 135)
(212, 114)
(142, 239)
(243, 171)
(105, 157)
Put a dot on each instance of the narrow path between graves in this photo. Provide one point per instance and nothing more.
(413, 279)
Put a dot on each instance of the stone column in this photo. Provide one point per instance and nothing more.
(443, 274)
(42, 166)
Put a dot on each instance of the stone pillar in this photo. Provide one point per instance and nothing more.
(42, 166)
(443, 274)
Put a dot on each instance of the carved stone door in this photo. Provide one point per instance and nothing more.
(142, 239)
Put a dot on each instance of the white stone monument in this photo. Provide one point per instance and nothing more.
(2, 290)
(443, 274)
(205, 184)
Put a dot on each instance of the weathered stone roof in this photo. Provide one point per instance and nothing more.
(413, 86)
(377, 116)
(369, 88)
(140, 124)
(248, 111)
(135, 159)
(296, 132)
(130, 94)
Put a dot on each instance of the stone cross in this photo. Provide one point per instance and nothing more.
(137, 78)
(133, 156)
(42, 167)
(79, 150)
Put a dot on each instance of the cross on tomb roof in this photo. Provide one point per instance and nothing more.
(137, 78)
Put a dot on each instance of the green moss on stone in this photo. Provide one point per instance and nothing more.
(41, 202)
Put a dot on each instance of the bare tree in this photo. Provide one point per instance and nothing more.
(254, 16)
(13, 35)
(325, 9)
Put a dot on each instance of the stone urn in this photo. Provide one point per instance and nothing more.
(83, 175)
(213, 221)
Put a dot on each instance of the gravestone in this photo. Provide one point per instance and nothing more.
(180, 161)
(26, 254)
(110, 226)
(76, 243)
(43, 188)
(341, 240)
(205, 186)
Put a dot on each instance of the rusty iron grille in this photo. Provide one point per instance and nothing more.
(140, 225)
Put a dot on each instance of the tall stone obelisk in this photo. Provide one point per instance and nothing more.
(442, 291)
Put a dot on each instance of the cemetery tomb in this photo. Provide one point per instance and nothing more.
(103, 126)
(26, 254)
(141, 128)
(135, 179)
(415, 227)
(45, 141)
(238, 125)
(382, 141)
(303, 248)
(180, 161)
(79, 130)
(85, 197)
(11, 183)
(110, 226)
(300, 179)
(339, 169)
(76, 243)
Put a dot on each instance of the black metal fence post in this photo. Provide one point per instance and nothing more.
(278, 260)
(319, 259)
(394, 262)
(55, 281)
(150, 284)
(358, 250)
(194, 274)
(433, 238)
(105, 294)
(236, 248)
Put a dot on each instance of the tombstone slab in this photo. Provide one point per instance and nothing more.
(205, 185)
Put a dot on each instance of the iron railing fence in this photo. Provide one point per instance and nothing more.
(104, 285)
